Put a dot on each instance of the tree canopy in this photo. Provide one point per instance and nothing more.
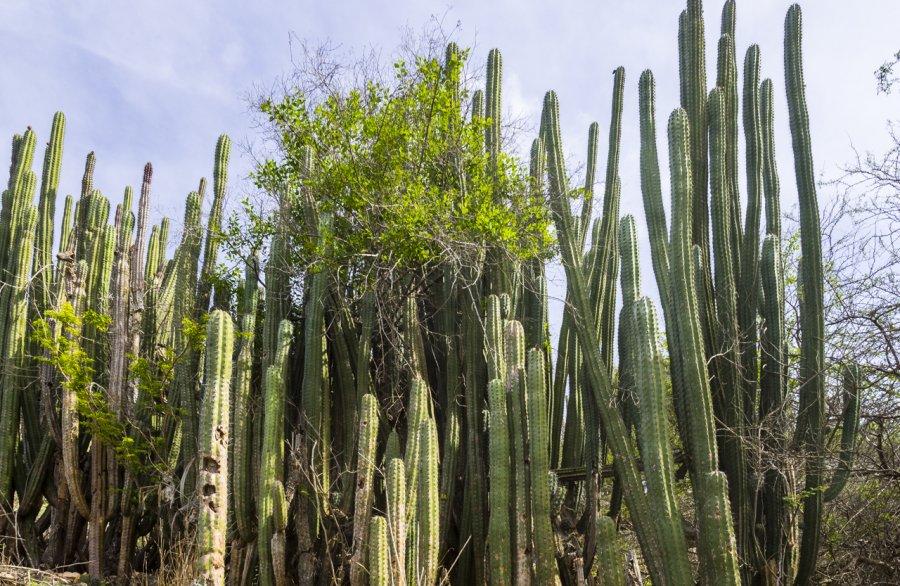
(401, 170)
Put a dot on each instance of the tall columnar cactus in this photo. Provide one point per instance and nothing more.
(214, 229)
(520, 509)
(379, 552)
(395, 489)
(499, 534)
(212, 486)
(365, 489)
(185, 285)
(21, 227)
(597, 375)
(538, 443)
(631, 290)
(659, 469)
(418, 413)
(242, 429)
(699, 416)
(811, 410)
(428, 515)
(852, 383)
(492, 108)
(43, 256)
(314, 390)
(692, 74)
(271, 469)
(611, 570)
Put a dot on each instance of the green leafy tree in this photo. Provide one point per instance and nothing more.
(401, 170)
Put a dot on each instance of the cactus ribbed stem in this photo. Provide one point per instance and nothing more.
(611, 570)
(213, 452)
(379, 552)
(214, 229)
(659, 469)
(272, 457)
(583, 321)
(241, 427)
(428, 515)
(514, 342)
(365, 481)
(852, 381)
(699, 415)
(186, 279)
(811, 409)
(538, 442)
(418, 412)
(499, 534)
(395, 489)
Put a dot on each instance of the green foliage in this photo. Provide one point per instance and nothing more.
(76, 370)
(402, 172)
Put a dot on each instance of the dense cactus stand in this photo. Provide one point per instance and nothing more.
(296, 425)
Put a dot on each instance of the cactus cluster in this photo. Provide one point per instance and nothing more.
(325, 430)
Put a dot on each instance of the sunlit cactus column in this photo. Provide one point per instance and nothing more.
(213, 451)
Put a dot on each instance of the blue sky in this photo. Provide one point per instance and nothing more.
(160, 80)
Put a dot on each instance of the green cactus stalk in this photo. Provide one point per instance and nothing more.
(214, 230)
(428, 515)
(538, 442)
(451, 461)
(14, 301)
(365, 483)
(418, 412)
(726, 81)
(811, 410)
(659, 469)
(514, 342)
(600, 386)
(603, 281)
(118, 337)
(771, 183)
(493, 93)
(395, 489)
(185, 285)
(474, 502)
(611, 570)
(852, 380)
(699, 417)
(499, 535)
(43, 256)
(242, 428)
(493, 340)
(729, 388)
(314, 390)
(379, 552)
(631, 291)
(272, 456)
(772, 415)
(717, 541)
(137, 306)
(213, 451)
(692, 74)
(279, 536)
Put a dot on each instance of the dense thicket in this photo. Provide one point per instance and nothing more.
(378, 401)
